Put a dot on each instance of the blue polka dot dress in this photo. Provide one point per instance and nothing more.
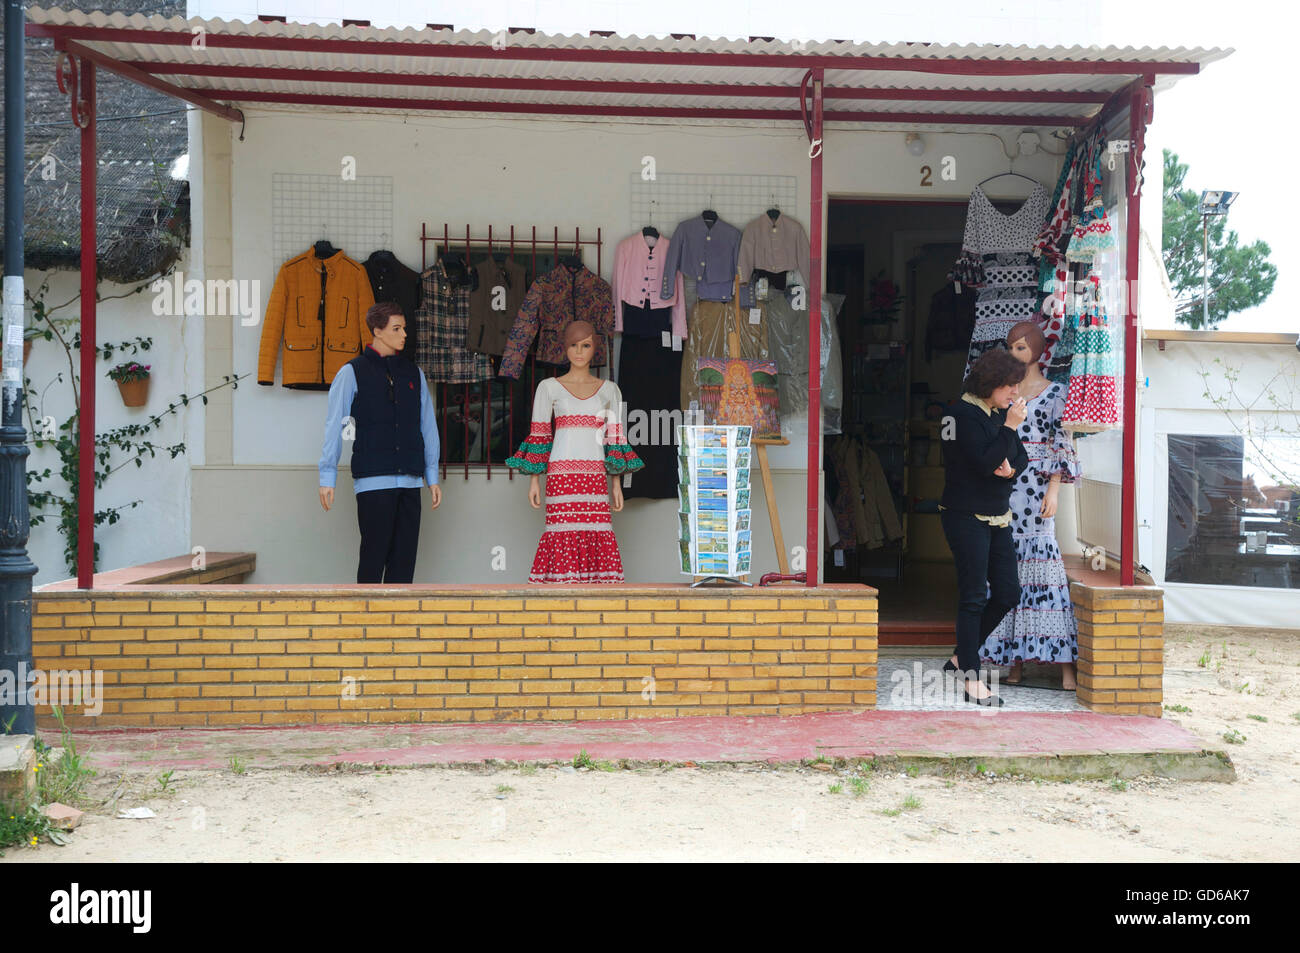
(1042, 628)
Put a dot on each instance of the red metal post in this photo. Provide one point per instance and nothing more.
(1139, 115)
(86, 417)
(813, 541)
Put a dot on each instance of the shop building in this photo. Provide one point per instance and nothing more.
(412, 140)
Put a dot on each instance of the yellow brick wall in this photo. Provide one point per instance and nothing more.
(1121, 649)
(240, 657)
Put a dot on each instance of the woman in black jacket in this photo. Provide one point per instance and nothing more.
(982, 455)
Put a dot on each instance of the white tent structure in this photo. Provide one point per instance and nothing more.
(1219, 476)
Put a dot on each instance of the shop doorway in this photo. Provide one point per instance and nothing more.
(904, 335)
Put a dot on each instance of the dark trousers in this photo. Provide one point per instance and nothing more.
(390, 530)
(988, 581)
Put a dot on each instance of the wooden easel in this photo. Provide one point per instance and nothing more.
(760, 445)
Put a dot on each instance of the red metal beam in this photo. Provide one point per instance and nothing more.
(485, 51)
(632, 87)
(1141, 105)
(89, 377)
(813, 535)
(144, 79)
(670, 112)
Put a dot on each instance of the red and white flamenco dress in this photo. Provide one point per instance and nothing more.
(586, 445)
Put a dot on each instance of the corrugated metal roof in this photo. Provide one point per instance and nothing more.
(426, 65)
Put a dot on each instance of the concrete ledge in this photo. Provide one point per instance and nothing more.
(228, 568)
(1057, 746)
(17, 768)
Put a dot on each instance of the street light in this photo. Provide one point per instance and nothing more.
(1212, 203)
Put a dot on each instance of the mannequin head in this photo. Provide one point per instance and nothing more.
(579, 343)
(388, 326)
(1026, 342)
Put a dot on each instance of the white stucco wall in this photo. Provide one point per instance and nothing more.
(160, 526)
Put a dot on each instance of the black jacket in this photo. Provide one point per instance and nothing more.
(390, 280)
(978, 445)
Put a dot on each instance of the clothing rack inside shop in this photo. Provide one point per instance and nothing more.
(516, 242)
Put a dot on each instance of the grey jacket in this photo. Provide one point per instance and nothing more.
(709, 255)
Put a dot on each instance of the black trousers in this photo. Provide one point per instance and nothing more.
(988, 580)
(390, 531)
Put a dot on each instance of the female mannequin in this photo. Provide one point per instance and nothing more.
(1042, 628)
(582, 459)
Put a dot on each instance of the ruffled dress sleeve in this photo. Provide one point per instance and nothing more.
(969, 267)
(619, 455)
(1061, 455)
(535, 451)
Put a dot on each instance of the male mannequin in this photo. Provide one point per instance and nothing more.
(396, 449)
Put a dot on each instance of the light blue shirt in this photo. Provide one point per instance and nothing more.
(342, 393)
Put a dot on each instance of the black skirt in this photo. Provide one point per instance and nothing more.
(649, 376)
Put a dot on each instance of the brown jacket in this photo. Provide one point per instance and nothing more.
(489, 328)
(293, 316)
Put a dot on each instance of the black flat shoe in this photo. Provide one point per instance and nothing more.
(993, 700)
(949, 667)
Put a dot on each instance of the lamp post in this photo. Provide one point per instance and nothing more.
(1212, 203)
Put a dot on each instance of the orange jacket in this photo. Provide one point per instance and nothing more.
(293, 315)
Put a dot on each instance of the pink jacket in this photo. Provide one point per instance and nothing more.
(638, 274)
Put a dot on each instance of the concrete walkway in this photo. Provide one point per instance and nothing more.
(1066, 744)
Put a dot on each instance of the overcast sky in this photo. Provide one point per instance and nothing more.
(1233, 124)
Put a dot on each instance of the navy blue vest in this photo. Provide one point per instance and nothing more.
(388, 439)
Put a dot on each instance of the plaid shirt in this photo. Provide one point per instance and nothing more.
(441, 323)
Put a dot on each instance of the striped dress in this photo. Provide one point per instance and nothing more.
(577, 453)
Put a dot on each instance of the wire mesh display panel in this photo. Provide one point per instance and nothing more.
(738, 199)
(355, 214)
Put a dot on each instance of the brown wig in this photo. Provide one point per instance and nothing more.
(576, 331)
(993, 369)
(378, 315)
(1033, 335)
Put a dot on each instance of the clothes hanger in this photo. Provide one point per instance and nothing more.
(709, 216)
(1018, 175)
(650, 231)
(323, 248)
(574, 260)
(453, 265)
(775, 211)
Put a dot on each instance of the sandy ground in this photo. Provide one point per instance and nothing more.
(750, 812)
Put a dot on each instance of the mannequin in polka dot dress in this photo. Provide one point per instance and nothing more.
(1042, 628)
(582, 457)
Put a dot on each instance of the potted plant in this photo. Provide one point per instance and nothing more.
(133, 381)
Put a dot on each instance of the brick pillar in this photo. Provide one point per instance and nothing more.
(1121, 648)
